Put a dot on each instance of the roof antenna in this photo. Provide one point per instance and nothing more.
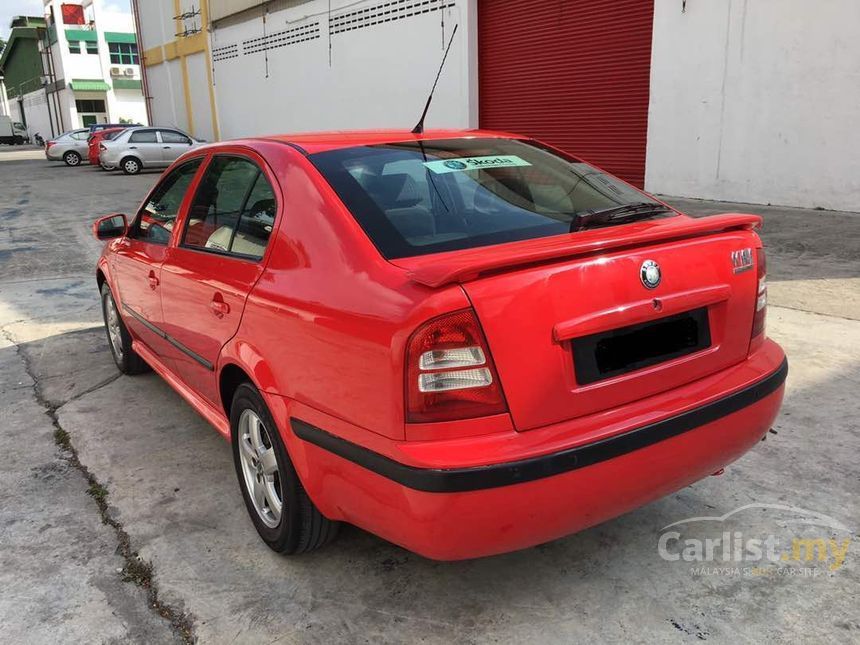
(419, 127)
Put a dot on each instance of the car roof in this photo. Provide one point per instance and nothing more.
(132, 128)
(104, 131)
(313, 142)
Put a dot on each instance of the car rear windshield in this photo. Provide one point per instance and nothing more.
(421, 197)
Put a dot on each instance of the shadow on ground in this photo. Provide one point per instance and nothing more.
(171, 485)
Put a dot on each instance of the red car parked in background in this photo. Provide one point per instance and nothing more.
(97, 137)
(464, 342)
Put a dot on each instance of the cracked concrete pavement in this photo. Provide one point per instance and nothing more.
(171, 487)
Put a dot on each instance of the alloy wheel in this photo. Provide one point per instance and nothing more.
(113, 328)
(260, 468)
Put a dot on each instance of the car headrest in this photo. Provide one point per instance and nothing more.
(412, 221)
(220, 239)
(266, 206)
(397, 190)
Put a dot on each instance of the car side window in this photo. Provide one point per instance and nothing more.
(233, 210)
(156, 219)
(171, 136)
(80, 136)
(143, 136)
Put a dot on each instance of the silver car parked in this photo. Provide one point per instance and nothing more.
(70, 147)
(145, 147)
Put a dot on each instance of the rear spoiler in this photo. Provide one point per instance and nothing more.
(460, 266)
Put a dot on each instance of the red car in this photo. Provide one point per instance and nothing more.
(464, 342)
(95, 139)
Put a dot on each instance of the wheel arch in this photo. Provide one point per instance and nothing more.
(130, 155)
(230, 378)
(103, 274)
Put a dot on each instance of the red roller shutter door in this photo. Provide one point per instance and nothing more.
(574, 73)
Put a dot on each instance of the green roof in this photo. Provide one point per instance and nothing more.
(89, 85)
(120, 37)
(126, 84)
(74, 35)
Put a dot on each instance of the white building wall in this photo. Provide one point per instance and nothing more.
(66, 99)
(121, 104)
(38, 118)
(164, 83)
(377, 77)
(83, 65)
(198, 84)
(127, 105)
(756, 101)
(156, 22)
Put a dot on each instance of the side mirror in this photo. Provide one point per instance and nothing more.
(110, 226)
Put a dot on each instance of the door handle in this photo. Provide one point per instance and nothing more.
(132, 147)
(218, 306)
(166, 147)
(153, 281)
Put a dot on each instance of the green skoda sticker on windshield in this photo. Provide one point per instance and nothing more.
(475, 163)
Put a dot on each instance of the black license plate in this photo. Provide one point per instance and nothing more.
(618, 351)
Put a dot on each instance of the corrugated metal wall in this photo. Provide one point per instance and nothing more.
(574, 74)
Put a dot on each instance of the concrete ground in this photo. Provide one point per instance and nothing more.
(121, 520)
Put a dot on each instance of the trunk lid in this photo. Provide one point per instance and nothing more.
(574, 330)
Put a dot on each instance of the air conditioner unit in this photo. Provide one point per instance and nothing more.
(128, 71)
(115, 71)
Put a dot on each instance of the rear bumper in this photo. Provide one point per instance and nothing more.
(452, 512)
(107, 160)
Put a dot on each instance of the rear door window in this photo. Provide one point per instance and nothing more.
(233, 210)
(171, 136)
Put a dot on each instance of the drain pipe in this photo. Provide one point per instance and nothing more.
(147, 99)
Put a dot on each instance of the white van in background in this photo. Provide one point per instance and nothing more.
(12, 132)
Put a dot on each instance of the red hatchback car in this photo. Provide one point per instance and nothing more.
(464, 342)
(95, 138)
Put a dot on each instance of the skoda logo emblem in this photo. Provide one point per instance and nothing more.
(455, 165)
(650, 274)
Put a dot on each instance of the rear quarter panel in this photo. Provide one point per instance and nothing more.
(327, 323)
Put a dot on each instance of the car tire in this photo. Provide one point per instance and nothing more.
(130, 166)
(19, 141)
(119, 340)
(299, 527)
(72, 158)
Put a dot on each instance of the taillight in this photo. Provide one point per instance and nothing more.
(761, 294)
(449, 371)
(48, 144)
